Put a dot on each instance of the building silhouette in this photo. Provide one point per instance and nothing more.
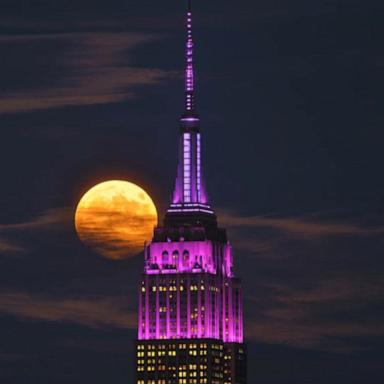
(190, 318)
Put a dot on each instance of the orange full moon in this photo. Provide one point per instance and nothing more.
(115, 218)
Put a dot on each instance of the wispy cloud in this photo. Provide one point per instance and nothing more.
(10, 239)
(268, 235)
(92, 312)
(299, 226)
(50, 218)
(8, 247)
(97, 70)
(311, 318)
(116, 237)
(316, 335)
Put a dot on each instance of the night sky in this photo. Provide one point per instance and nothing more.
(290, 94)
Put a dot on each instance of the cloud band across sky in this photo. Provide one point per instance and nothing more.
(95, 68)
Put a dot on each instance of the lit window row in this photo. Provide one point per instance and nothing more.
(151, 382)
(165, 289)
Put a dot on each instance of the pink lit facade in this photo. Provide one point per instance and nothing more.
(188, 291)
(189, 296)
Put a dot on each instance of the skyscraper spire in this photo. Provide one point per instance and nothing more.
(189, 71)
(190, 316)
(189, 197)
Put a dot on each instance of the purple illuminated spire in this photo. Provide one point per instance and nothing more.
(189, 195)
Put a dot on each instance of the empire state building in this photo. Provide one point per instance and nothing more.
(190, 317)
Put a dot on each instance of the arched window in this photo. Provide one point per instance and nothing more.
(165, 257)
(175, 257)
(185, 258)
